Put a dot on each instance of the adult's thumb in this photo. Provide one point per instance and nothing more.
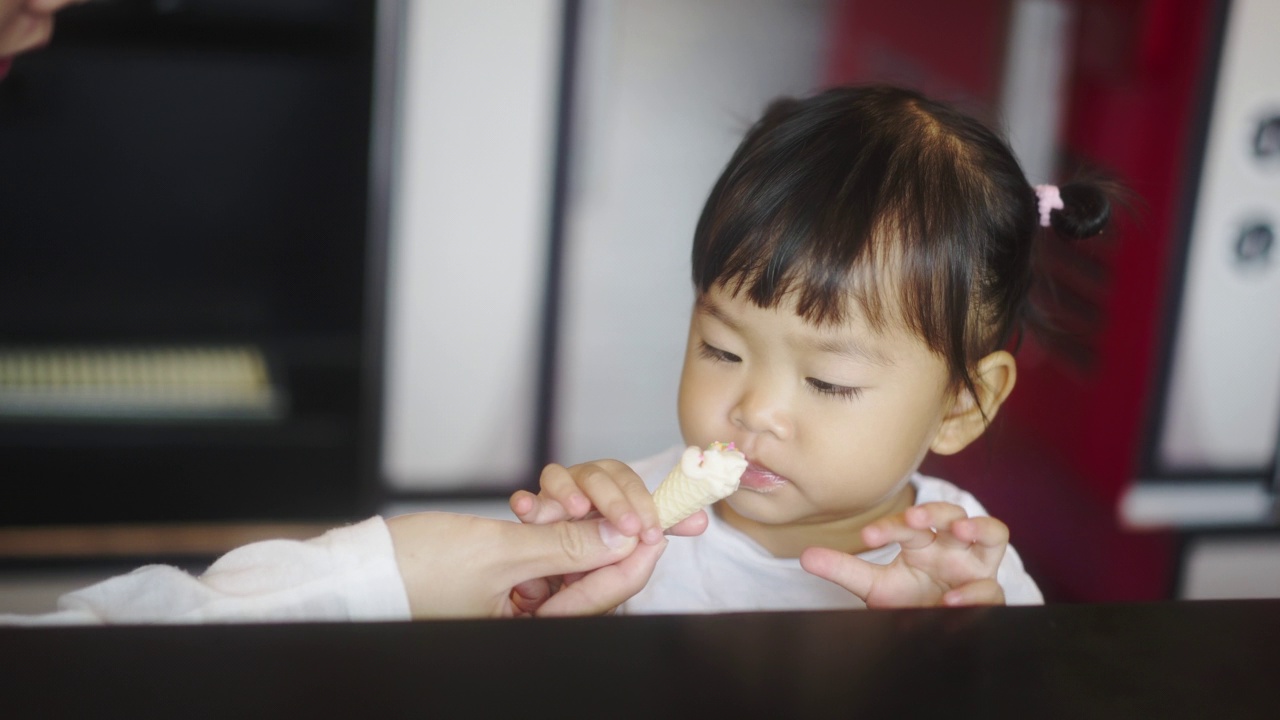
(570, 546)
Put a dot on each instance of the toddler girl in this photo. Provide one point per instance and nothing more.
(859, 268)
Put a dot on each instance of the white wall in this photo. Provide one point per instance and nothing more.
(467, 253)
(667, 89)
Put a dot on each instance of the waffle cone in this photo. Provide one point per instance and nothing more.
(697, 481)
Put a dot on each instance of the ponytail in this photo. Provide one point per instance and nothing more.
(1083, 207)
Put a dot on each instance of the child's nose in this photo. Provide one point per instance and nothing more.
(762, 411)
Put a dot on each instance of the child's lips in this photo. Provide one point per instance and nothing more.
(761, 479)
(5, 64)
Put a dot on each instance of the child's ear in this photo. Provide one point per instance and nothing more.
(994, 378)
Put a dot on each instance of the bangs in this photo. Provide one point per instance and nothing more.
(827, 206)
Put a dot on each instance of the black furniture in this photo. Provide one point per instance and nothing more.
(1166, 660)
(191, 180)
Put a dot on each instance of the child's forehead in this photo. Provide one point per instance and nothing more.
(854, 336)
(863, 311)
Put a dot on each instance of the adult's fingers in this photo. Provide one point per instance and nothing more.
(606, 588)
(561, 548)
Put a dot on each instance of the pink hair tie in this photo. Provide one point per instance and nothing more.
(1050, 199)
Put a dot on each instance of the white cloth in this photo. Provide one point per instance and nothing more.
(349, 573)
(723, 570)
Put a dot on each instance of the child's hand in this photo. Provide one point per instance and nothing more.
(607, 486)
(947, 558)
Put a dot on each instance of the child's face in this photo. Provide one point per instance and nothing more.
(834, 420)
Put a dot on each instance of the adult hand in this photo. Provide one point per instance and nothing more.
(467, 566)
(25, 25)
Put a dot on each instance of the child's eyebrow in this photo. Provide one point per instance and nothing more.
(844, 346)
(707, 306)
(852, 349)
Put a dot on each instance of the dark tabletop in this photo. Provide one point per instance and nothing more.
(1214, 660)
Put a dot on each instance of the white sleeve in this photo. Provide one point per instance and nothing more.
(1019, 588)
(349, 573)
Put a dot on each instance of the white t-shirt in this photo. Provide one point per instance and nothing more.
(723, 570)
(349, 573)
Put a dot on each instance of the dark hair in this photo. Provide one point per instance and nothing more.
(825, 191)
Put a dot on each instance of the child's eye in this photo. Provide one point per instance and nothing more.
(841, 391)
(714, 353)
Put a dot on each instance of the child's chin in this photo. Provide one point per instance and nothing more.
(757, 507)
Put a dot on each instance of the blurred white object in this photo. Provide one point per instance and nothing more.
(1223, 408)
(1034, 89)
(1227, 566)
(1211, 502)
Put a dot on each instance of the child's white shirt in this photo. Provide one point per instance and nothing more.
(723, 570)
(349, 573)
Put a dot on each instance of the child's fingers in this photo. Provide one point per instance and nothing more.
(979, 592)
(897, 529)
(988, 539)
(524, 505)
(951, 522)
(937, 516)
(695, 524)
(559, 484)
(641, 501)
(853, 574)
(529, 595)
(608, 494)
(985, 531)
(534, 510)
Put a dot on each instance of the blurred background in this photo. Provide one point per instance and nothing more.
(270, 266)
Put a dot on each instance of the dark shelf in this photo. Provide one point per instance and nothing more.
(194, 174)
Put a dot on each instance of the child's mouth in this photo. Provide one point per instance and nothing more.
(761, 479)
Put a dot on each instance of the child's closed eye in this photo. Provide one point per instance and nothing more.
(711, 352)
(832, 390)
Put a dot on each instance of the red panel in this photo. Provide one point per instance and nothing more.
(1069, 440)
(946, 49)
(1132, 109)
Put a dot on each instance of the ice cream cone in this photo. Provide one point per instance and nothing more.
(701, 478)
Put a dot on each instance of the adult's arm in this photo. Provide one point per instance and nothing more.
(423, 565)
